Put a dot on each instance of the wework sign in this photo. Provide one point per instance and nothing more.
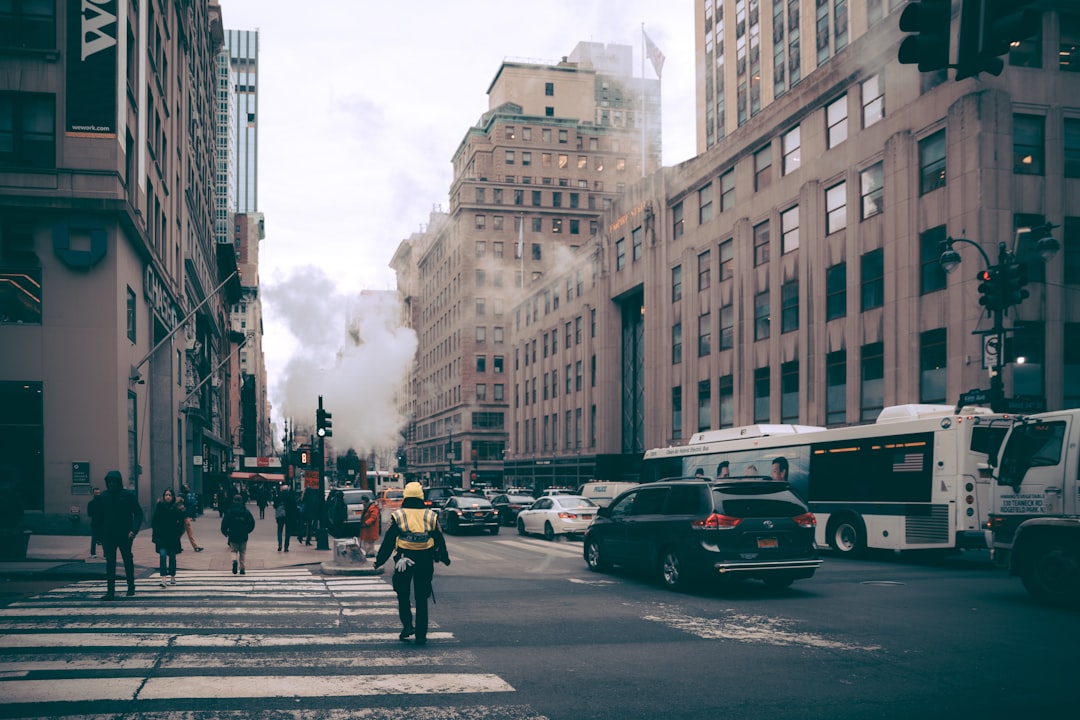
(91, 67)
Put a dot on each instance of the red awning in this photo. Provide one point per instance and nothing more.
(257, 477)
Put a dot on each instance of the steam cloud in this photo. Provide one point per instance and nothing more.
(352, 350)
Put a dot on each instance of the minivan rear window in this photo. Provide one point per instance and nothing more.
(757, 507)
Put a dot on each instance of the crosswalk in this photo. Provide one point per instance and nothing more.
(284, 643)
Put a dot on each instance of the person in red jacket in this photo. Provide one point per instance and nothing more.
(370, 526)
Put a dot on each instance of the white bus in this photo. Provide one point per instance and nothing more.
(916, 479)
(379, 480)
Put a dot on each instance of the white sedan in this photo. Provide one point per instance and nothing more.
(557, 515)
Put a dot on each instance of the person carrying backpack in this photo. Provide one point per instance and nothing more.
(236, 525)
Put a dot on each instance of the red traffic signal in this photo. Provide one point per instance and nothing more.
(989, 288)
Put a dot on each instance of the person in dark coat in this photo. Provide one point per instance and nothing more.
(237, 526)
(93, 511)
(287, 515)
(121, 518)
(167, 525)
(415, 539)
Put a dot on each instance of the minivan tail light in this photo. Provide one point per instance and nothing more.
(806, 520)
(716, 521)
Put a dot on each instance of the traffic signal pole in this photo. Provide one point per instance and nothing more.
(322, 429)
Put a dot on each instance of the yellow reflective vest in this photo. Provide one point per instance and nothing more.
(415, 528)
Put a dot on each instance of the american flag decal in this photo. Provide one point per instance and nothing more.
(908, 462)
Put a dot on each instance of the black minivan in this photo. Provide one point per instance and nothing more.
(687, 529)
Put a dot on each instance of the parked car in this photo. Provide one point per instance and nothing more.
(509, 506)
(557, 515)
(469, 511)
(353, 501)
(437, 495)
(390, 498)
(685, 530)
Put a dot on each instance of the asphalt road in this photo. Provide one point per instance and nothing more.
(523, 630)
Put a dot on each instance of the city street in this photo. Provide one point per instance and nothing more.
(522, 629)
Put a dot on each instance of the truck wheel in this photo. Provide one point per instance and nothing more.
(846, 535)
(1051, 573)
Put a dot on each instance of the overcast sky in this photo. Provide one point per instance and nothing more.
(362, 104)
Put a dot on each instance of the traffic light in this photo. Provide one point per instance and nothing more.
(987, 29)
(928, 46)
(1013, 280)
(323, 423)
(989, 289)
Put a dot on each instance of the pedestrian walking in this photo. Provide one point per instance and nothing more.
(167, 526)
(370, 526)
(93, 511)
(312, 503)
(416, 541)
(121, 518)
(236, 525)
(188, 528)
(287, 514)
(261, 501)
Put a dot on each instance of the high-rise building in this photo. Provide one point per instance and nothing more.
(243, 50)
(558, 144)
(792, 273)
(112, 323)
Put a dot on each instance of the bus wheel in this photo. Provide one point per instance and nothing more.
(847, 535)
(1052, 574)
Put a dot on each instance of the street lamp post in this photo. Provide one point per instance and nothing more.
(1002, 286)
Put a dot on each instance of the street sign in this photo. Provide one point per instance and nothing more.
(974, 397)
(991, 348)
(1027, 404)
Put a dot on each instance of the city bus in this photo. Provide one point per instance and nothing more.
(918, 478)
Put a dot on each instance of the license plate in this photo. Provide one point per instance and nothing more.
(767, 543)
(586, 517)
(478, 514)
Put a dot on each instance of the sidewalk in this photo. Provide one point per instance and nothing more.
(68, 556)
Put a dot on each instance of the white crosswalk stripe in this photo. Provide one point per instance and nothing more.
(269, 639)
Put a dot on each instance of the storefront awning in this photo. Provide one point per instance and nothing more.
(257, 477)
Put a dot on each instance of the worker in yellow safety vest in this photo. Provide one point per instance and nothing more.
(416, 541)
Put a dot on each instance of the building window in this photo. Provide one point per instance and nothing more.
(932, 366)
(620, 253)
(1069, 46)
(549, 89)
(873, 381)
(481, 278)
(761, 243)
(792, 143)
(727, 191)
(836, 291)
(726, 393)
(836, 122)
(873, 100)
(727, 259)
(537, 252)
(704, 340)
(498, 364)
(1072, 149)
(27, 129)
(1029, 144)
(130, 313)
(509, 157)
(676, 412)
(762, 391)
(500, 392)
(678, 224)
(676, 283)
(481, 391)
(676, 343)
(481, 307)
(763, 168)
(789, 306)
(789, 392)
(932, 162)
(761, 315)
(836, 388)
(21, 290)
(29, 25)
(705, 204)
(789, 230)
(635, 239)
(481, 363)
(931, 244)
(872, 190)
(873, 279)
(704, 399)
(481, 222)
(704, 270)
(836, 208)
(536, 198)
(727, 327)
(1027, 52)
(481, 334)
